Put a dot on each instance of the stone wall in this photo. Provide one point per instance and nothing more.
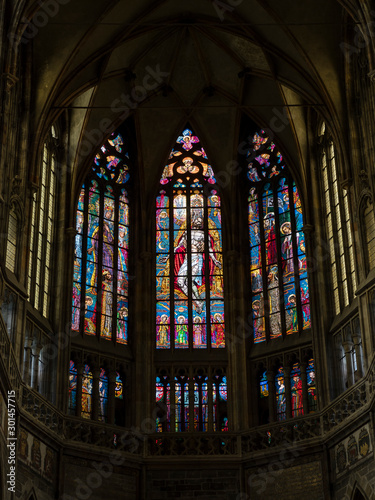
(193, 483)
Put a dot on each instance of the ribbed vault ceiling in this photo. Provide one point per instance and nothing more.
(254, 58)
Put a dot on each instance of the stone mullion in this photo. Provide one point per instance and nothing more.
(288, 393)
(305, 399)
(26, 368)
(79, 389)
(348, 348)
(173, 402)
(111, 396)
(272, 395)
(210, 386)
(35, 366)
(191, 400)
(95, 393)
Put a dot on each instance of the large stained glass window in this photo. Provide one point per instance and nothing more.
(280, 293)
(100, 288)
(189, 269)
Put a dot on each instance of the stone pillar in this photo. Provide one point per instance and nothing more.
(305, 394)
(27, 364)
(271, 395)
(79, 389)
(358, 353)
(288, 393)
(173, 403)
(191, 401)
(35, 367)
(111, 397)
(210, 402)
(95, 393)
(348, 347)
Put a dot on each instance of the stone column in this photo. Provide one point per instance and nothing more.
(35, 368)
(111, 396)
(27, 365)
(173, 402)
(95, 393)
(191, 401)
(288, 393)
(348, 348)
(271, 395)
(358, 353)
(79, 389)
(305, 394)
(210, 402)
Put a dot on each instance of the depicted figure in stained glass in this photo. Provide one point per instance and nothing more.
(163, 330)
(181, 330)
(296, 397)
(198, 332)
(218, 331)
(280, 396)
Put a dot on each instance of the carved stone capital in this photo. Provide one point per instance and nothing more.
(10, 81)
(16, 186)
(346, 184)
(371, 75)
(71, 232)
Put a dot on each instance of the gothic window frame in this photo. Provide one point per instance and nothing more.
(205, 414)
(337, 221)
(177, 177)
(367, 203)
(13, 238)
(105, 173)
(43, 227)
(266, 168)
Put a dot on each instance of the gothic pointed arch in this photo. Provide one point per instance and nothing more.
(279, 284)
(192, 395)
(189, 264)
(100, 280)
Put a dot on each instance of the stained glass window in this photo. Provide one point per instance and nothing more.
(181, 403)
(189, 274)
(280, 395)
(119, 388)
(72, 388)
(42, 230)
(296, 391)
(279, 286)
(103, 395)
(220, 398)
(100, 282)
(163, 402)
(311, 387)
(86, 406)
(198, 397)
